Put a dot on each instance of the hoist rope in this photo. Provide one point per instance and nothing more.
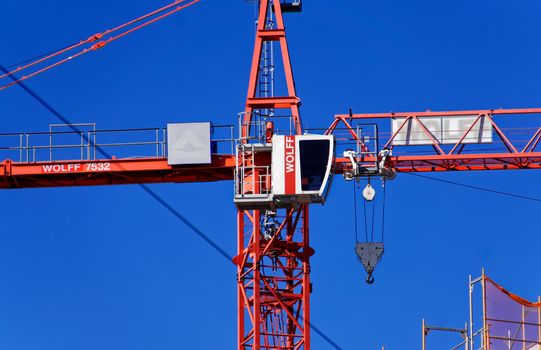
(373, 217)
(372, 227)
(94, 42)
(383, 212)
(355, 210)
(365, 221)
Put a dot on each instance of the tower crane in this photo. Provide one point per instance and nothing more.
(279, 168)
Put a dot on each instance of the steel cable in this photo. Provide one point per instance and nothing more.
(365, 221)
(163, 12)
(149, 191)
(39, 57)
(373, 218)
(145, 188)
(383, 212)
(355, 210)
(509, 194)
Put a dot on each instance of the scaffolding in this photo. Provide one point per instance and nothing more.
(507, 321)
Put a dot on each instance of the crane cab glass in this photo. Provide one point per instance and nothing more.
(313, 163)
(301, 168)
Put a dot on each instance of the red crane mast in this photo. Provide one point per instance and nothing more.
(273, 274)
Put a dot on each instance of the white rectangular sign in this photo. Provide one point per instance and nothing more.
(188, 143)
(445, 130)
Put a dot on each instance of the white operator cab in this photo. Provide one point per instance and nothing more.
(300, 173)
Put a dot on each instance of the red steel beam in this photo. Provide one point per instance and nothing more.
(273, 278)
(500, 111)
(152, 170)
(111, 172)
(445, 158)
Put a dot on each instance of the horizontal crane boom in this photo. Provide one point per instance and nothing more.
(33, 160)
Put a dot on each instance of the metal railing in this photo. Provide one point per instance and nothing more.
(252, 181)
(89, 144)
(257, 127)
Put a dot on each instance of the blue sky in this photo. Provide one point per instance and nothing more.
(105, 267)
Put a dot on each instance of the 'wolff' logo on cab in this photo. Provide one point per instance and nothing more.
(289, 164)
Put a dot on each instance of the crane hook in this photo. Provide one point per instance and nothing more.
(369, 279)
